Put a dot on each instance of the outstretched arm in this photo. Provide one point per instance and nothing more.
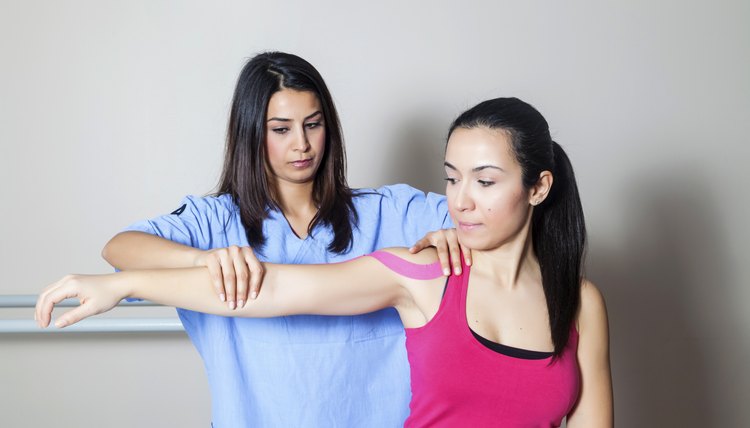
(595, 403)
(354, 287)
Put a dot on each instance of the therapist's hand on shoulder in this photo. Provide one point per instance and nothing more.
(236, 273)
(448, 248)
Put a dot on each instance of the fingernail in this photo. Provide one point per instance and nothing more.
(457, 270)
(231, 304)
(254, 295)
(60, 323)
(241, 304)
(446, 272)
(223, 297)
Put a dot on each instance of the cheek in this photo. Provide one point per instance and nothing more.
(449, 196)
(318, 141)
(274, 149)
(506, 207)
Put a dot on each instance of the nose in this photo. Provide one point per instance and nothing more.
(464, 200)
(301, 142)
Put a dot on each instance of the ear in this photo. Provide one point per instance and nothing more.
(540, 190)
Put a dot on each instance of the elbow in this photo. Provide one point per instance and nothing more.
(108, 252)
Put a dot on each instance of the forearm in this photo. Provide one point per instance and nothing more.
(139, 250)
(190, 288)
(187, 288)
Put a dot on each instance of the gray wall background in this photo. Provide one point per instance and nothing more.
(112, 111)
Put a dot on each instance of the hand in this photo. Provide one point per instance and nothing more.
(448, 249)
(97, 294)
(234, 271)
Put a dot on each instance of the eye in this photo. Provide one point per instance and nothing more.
(280, 130)
(485, 183)
(312, 125)
(451, 180)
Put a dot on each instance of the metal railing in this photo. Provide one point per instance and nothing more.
(90, 325)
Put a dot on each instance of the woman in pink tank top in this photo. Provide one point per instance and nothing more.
(518, 339)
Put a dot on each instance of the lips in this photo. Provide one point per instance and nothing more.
(468, 226)
(302, 163)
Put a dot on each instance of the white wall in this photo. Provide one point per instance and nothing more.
(111, 111)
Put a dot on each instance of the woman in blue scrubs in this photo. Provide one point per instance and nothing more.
(283, 193)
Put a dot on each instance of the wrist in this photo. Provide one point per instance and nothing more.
(124, 285)
(196, 257)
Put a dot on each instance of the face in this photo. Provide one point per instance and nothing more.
(485, 193)
(295, 135)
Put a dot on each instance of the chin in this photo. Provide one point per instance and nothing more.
(473, 242)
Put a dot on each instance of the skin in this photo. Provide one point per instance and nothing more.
(505, 301)
(295, 131)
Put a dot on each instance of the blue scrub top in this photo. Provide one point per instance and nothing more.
(305, 370)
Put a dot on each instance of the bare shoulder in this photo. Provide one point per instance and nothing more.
(410, 267)
(425, 257)
(422, 281)
(593, 309)
(590, 294)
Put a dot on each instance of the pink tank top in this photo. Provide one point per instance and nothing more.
(458, 382)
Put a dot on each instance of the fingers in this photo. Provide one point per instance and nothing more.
(444, 257)
(466, 251)
(454, 248)
(221, 269)
(437, 240)
(242, 273)
(256, 271)
(52, 295)
(42, 312)
(74, 315)
(235, 272)
(420, 245)
(448, 249)
(214, 271)
(229, 277)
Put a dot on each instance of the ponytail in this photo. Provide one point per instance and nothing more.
(559, 239)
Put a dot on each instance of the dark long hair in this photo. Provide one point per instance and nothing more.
(558, 229)
(246, 174)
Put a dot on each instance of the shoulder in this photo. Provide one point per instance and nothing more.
(212, 204)
(421, 266)
(220, 201)
(592, 313)
(425, 257)
(591, 297)
(391, 191)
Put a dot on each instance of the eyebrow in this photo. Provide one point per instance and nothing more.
(477, 169)
(283, 119)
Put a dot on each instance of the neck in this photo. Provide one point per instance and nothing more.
(296, 199)
(512, 264)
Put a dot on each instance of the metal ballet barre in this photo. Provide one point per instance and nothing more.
(90, 325)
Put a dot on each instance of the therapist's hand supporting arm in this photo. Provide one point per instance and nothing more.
(236, 273)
